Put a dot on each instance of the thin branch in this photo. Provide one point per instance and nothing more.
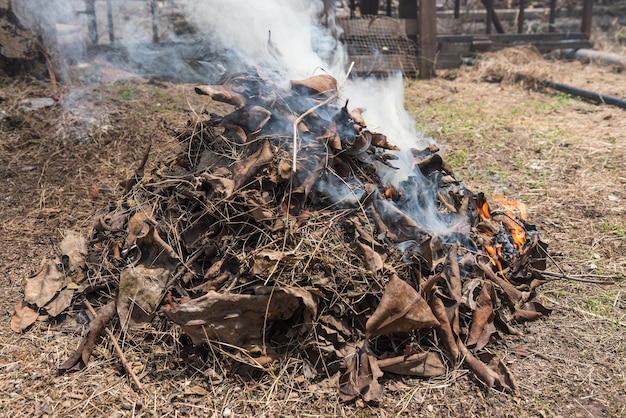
(118, 349)
(577, 278)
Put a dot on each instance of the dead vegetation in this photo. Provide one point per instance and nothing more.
(199, 380)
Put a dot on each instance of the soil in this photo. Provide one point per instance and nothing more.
(563, 157)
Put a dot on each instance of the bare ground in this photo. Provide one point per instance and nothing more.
(563, 157)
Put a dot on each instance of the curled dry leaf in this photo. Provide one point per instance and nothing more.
(371, 258)
(80, 357)
(222, 94)
(237, 319)
(401, 309)
(380, 141)
(245, 169)
(23, 317)
(45, 285)
(482, 319)
(361, 378)
(141, 289)
(426, 364)
(221, 186)
(74, 246)
(250, 119)
(60, 302)
(323, 85)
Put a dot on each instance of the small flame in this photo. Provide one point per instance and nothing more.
(513, 209)
(389, 193)
(512, 206)
(484, 212)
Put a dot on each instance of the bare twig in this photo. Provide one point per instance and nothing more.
(118, 349)
(578, 278)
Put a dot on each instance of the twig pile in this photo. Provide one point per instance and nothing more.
(268, 250)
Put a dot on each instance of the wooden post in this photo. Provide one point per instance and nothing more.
(110, 22)
(520, 17)
(92, 26)
(586, 20)
(427, 22)
(155, 27)
(552, 17)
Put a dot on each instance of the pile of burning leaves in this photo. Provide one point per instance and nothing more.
(273, 234)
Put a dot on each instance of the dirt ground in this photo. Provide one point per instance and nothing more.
(563, 157)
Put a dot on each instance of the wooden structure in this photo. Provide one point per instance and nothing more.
(447, 51)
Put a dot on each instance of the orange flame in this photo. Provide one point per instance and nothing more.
(483, 212)
(512, 206)
(389, 193)
(513, 209)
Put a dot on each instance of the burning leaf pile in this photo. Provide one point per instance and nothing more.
(276, 233)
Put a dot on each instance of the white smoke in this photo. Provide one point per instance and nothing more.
(287, 33)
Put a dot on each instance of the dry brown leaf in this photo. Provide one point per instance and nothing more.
(250, 119)
(401, 309)
(222, 94)
(137, 227)
(380, 141)
(426, 364)
(444, 330)
(80, 357)
(237, 319)
(141, 289)
(245, 169)
(531, 311)
(482, 319)
(265, 261)
(323, 84)
(23, 317)
(74, 246)
(60, 303)
(361, 378)
(40, 289)
(221, 186)
(373, 261)
(93, 192)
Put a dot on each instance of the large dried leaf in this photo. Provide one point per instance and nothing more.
(60, 302)
(40, 289)
(373, 261)
(74, 247)
(361, 378)
(399, 223)
(482, 319)
(80, 357)
(250, 119)
(141, 289)
(401, 309)
(245, 169)
(493, 375)
(444, 330)
(222, 94)
(221, 186)
(23, 317)
(514, 296)
(531, 311)
(426, 364)
(323, 84)
(380, 141)
(236, 319)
